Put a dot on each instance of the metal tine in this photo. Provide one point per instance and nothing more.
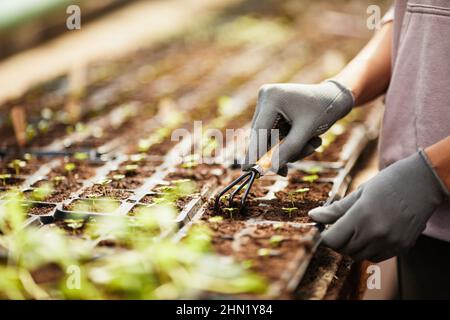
(235, 192)
(253, 176)
(231, 185)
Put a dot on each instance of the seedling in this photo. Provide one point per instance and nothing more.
(5, 177)
(230, 211)
(81, 156)
(17, 164)
(58, 180)
(314, 170)
(302, 192)
(41, 193)
(74, 225)
(290, 211)
(310, 178)
(69, 167)
(276, 240)
(119, 178)
(278, 225)
(138, 157)
(189, 164)
(215, 219)
(43, 126)
(131, 169)
(265, 252)
(103, 183)
(247, 264)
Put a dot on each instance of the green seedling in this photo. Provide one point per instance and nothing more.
(81, 156)
(144, 145)
(41, 193)
(17, 164)
(276, 240)
(310, 178)
(74, 225)
(103, 183)
(43, 126)
(302, 192)
(230, 211)
(278, 225)
(189, 164)
(165, 189)
(215, 219)
(28, 156)
(69, 167)
(30, 132)
(314, 170)
(5, 177)
(247, 264)
(290, 211)
(138, 157)
(57, 180)
(119, 178)
(131, 168)
(265, 252)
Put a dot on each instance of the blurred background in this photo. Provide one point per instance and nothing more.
(119, 40)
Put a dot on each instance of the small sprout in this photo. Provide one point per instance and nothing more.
(69, 167)
(276, 240)
(189, 164)
(80, 127)
(43, 126)
(290, 210)
(230, 211)
(310, 178)
(247, 264)
(81, 156)
(30, 132)
(138, 157)
(215, 219)
(17, 164)
(5, 177)
(144, 145)
(58, 179)
(131, 168)
(28, 156)
(180, 181)
(302, 192)
(314, 170)
(41, 193)
(264, 252)
(118, 177)
(278, 225)
(75, 224)
(103, 183)
(165, 189)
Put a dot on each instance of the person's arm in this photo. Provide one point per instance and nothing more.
(439, 159)
(368, 74)
(384, 217)
(311, 110)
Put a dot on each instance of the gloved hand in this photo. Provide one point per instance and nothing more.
(386, 215)
(309, 110)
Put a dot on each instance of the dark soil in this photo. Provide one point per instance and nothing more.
(333, 152)
(39, 209)
(98, 191)
(61, 191)
(91, 205)
(12, 181)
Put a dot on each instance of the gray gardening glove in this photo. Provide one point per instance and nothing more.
(306, 112)
(386, 215)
